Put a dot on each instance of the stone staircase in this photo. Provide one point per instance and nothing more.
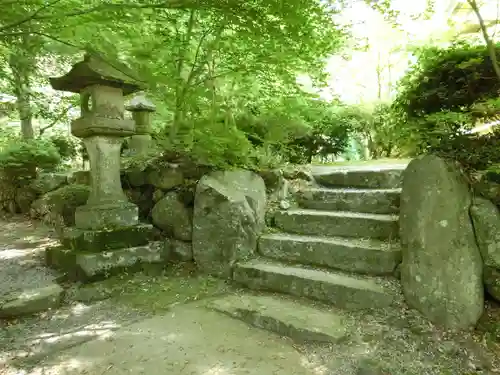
(340, 246)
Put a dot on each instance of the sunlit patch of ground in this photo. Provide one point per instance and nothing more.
(355, 163)
(22, 248)
(128, 299)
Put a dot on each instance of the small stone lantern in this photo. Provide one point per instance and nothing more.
(102, 127)
(141, 109)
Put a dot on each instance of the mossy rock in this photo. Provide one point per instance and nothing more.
(62, 202)
(493, 173)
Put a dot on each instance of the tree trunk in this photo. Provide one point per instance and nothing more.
(22, 65)
(181, 82)
(25, 115)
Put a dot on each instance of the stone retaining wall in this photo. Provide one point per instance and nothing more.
(165, 196)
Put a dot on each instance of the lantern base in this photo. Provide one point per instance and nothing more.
(108, 216)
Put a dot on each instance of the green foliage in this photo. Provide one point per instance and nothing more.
(67, 147)
(421, 134)
(296, 129)
(214, 143)
(473, 151)
(7, 136)
(447, 79)
(377, 124)
(210, 60)
(21, 159)
(444, 94)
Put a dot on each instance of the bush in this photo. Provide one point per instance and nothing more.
(66, 146)
(204, 141)
(449, 79)
(296, 131)
(472, 151)
(377, 124)
(21, 159)
(431, 132)
(444, 93)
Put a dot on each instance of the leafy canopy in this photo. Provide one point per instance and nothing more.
(208, 66)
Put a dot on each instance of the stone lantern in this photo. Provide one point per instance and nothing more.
(141, 109)
(107, 235)
(102, 127)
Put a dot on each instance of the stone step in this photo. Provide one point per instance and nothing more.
(347, 254)
(342, 290)
(382, 178)
(88, 266)
(283, 316)
(338, 223)
(31, 301)
(376, 201)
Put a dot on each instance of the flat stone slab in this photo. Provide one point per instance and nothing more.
(89, 266)
(30, 301)
(106, 239)
(189, 340)
(338, 223)
(284, 317)
(386, 177)
(348, 254)
(376, 201)
(342, 290)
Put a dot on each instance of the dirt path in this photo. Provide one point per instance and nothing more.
(22, 246)
(87, 312)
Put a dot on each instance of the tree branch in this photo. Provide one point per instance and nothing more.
(222, 74)
(194, 69)
(56, 120)
(30, 17)
(489, 44)
(168, 4)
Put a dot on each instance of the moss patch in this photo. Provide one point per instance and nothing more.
(155, 294)
(100, 240)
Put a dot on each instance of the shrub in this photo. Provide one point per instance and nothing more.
(298, 131)
(66, 146)
(473, 151)
(434, 131)
(207, 142)
(21, 159)
(450, 79)
(444, 93)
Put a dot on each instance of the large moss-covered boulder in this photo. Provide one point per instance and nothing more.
(173, 217)
(441, 273)
(165, 178)
(143, 198)
(492, 282)
(80, 178)
(486, 219)
(47, 182)
(59, 206)
(25, 196)
(7, 192)
(229, 210)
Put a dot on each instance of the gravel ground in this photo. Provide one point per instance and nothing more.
(401, 342)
